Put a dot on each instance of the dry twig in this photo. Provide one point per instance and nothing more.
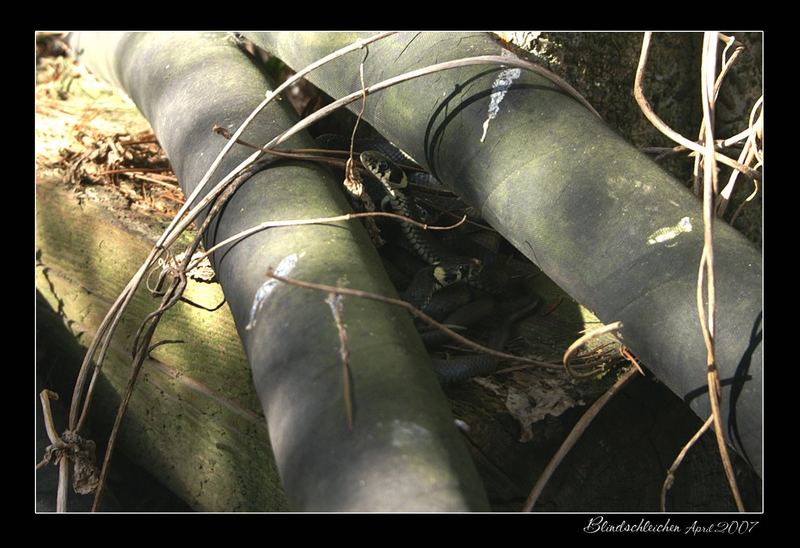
(670, 479)
(575, 434)
(707, 319)
(337, 304)
(318, 221)
(52, 433)
(648, 111)
(351, 182)
(707, 156)
(414, 312)
(726, 65)
(750, 152)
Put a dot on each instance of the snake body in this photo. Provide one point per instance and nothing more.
(443, 272)
(394, 180)
(445, 269)
(431, 279)
(453, 370)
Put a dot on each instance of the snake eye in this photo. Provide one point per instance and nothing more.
(469, 268)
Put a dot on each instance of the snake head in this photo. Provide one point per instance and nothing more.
(382, 168)
(450, 271)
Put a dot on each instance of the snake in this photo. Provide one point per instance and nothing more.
(453, 370)
(394, 180)
(472, 262)
(431, 279)
(444, 269)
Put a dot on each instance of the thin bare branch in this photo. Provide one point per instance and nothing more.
(165, 184)
(727, 63)
(749, 153)
(135, 170)
(648, 111)
(320, 220)
(63, 485)
(413, 311)
(52, 433)
(730, 141)
(744, 203)
(574, 435)
(707, 260)
(670, 479)
(336, 303)
(363, 103)
(746, 157)
(123, 406)
(102, 339)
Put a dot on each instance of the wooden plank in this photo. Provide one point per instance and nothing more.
(194, 421)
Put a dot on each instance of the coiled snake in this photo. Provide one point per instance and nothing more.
(444, 270)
